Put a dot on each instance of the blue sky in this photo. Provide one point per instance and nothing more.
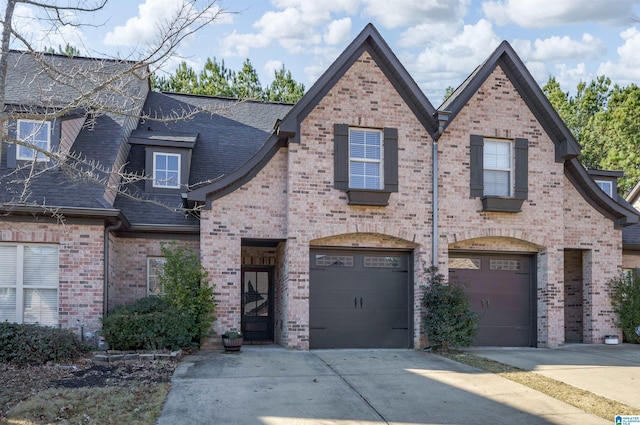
(440, 42)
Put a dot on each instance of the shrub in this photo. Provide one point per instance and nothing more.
(178, 319)
(36, 345)
(149, 323)
(625, 299)
(186, 289)
(448, 319)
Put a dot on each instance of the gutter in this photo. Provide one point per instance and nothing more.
(105, 289)
(443, 118)
(66, 211)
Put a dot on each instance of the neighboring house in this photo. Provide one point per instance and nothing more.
(317, 221)
(631, 237)
(52, 234)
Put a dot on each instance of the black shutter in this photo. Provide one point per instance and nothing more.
(54, 137)
(12, 150)
(522, 169)
(390, 159)
(11, 156)
(341, 156)
(476, 165)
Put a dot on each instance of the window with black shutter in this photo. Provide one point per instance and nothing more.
(366, 163)
(499, 172)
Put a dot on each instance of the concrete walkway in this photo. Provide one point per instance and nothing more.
(270, 385)
(612, 371)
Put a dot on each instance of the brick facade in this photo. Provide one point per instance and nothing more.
(291, 206)
(293, 199)
(128, 280)
(554, 217)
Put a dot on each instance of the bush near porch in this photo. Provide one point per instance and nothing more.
(179, 318)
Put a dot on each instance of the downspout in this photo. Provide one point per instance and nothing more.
(443, 118)
(105, 293)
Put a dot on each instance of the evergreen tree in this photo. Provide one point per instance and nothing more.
(246, 84)
(284, 88)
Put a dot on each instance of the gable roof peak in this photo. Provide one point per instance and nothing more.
(369, 40)
(527, 87)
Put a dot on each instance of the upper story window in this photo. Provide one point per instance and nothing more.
(36, 133)
(365, 159)
(365, 164)
(166, 170)
(497, 171)
(606, 186)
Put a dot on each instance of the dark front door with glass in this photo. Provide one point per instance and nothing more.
(257, 305)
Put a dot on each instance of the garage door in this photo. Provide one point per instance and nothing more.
(359, 299)
(501, 289)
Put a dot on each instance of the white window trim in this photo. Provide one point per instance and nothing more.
(607, 183)
(20, 286)
(165, 184)
(37, 156)
(149, 259)
(511, 169)
(366, 160)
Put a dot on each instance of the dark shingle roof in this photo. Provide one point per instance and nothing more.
(631, 237)
(229, 133)
(31, 87)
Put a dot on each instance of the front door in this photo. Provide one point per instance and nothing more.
(257, 304)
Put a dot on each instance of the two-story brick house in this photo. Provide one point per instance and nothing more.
(317, 221)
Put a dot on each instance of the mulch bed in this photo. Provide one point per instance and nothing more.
(19, 383)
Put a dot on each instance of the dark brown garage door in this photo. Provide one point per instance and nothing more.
(359, 299)
(501, 289)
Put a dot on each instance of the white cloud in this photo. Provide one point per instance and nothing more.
(431, 33)
(627, 69)
(313, 72)
(153, 17)
(398, 13)
(338, 32)
(297, 26)
(235, 44)
(539, 71)
(40, 35)
(556, 48)
(271, 66)
(450, 62)
(569, 77)
(546, 13)
(463, 52)
(319, 11)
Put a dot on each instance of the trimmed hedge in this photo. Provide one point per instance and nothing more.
(36, 345)
(149, 323)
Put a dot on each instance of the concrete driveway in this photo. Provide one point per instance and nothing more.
(270, 385)
(612, 371)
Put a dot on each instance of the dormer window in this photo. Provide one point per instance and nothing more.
(607, 180)
(166, 170)
(606, 186)
(167, 159)
(36, 133)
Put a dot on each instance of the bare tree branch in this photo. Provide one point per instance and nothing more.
(61, 87)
